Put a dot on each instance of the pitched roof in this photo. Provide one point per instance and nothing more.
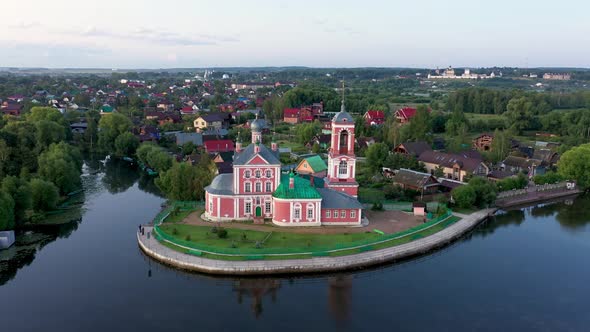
(248, 153)
(416, 148)
(213, 117)
(222, 184)
(219, 145)
(332, 199)
(407, 112)
(291, 112)
(316, 163)
(195, 138)
(301, 190)
(449, 160)
(413, 178)
(375, 114)
(343, 116)
(521, 162)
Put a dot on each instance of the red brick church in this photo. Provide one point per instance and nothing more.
(258, 190)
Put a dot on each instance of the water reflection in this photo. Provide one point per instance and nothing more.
(119, 175)
(114, 175)
(27, 244)
(256, 290)
(340, 297)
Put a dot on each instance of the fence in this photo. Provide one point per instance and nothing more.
(315, 250)
(537, 188)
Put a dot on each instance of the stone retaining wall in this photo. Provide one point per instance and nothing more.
(165, 255)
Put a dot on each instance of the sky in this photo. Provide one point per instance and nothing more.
(319, 33)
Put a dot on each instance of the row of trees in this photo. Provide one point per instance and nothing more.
(37, 165)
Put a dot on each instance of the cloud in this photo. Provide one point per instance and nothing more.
(150, 35)
(327, 27)
(25, 25)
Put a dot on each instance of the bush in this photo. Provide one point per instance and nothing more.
(222, 233)
(188, 237)
(244, 237)
(377, 206)
(464, 196)
(174, 231)
(233, 244)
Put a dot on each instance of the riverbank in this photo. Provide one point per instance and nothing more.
(153, 248)
(535, 197)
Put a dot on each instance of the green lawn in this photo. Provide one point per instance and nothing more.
(180, 216)
(281, 242)
(277, 241)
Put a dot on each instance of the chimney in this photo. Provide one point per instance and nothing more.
(291, 181)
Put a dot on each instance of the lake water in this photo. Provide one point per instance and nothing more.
(524, 270)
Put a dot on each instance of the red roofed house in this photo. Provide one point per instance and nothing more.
(221, 145)
(404, 115)
(291, 115)
(374, 118)
(187, 110)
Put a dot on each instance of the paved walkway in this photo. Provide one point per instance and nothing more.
(317, 264)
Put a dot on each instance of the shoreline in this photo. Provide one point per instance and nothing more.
(170, 257)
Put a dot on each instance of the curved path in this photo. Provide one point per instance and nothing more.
(165, 255)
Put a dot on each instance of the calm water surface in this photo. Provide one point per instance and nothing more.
(525, 270)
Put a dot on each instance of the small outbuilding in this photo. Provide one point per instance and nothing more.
(419, 209)
(6, 239)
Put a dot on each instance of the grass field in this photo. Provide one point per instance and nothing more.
(244, 242)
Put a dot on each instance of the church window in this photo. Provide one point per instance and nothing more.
(309, 211)
(268, 173)
(343, 167)
(352, 213)
(247, 187)
(268, 187)
(344, 141)
(258, 174)
(248, 208)
(267, 207)
(335, 213)
(297, 212)
(328, 213)
(247, 174)
(258, 187)
(343, 214)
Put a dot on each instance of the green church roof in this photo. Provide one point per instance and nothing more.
(301, 190)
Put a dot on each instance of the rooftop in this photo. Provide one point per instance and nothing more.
(301, 190)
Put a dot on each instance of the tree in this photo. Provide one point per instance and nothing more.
(519, 113)
(421, 125)
(126, 144)
(457, 123)
(188, 148)
(376, 155)
(44, 195)
(485, 191)
(61, 164)
(185, 182)
(315, 148)
(45, 113)
(20, 191)
(500, 146)
(464, 196)
(48, 132)
(574, 164)
(6, 211)
(110, 127)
